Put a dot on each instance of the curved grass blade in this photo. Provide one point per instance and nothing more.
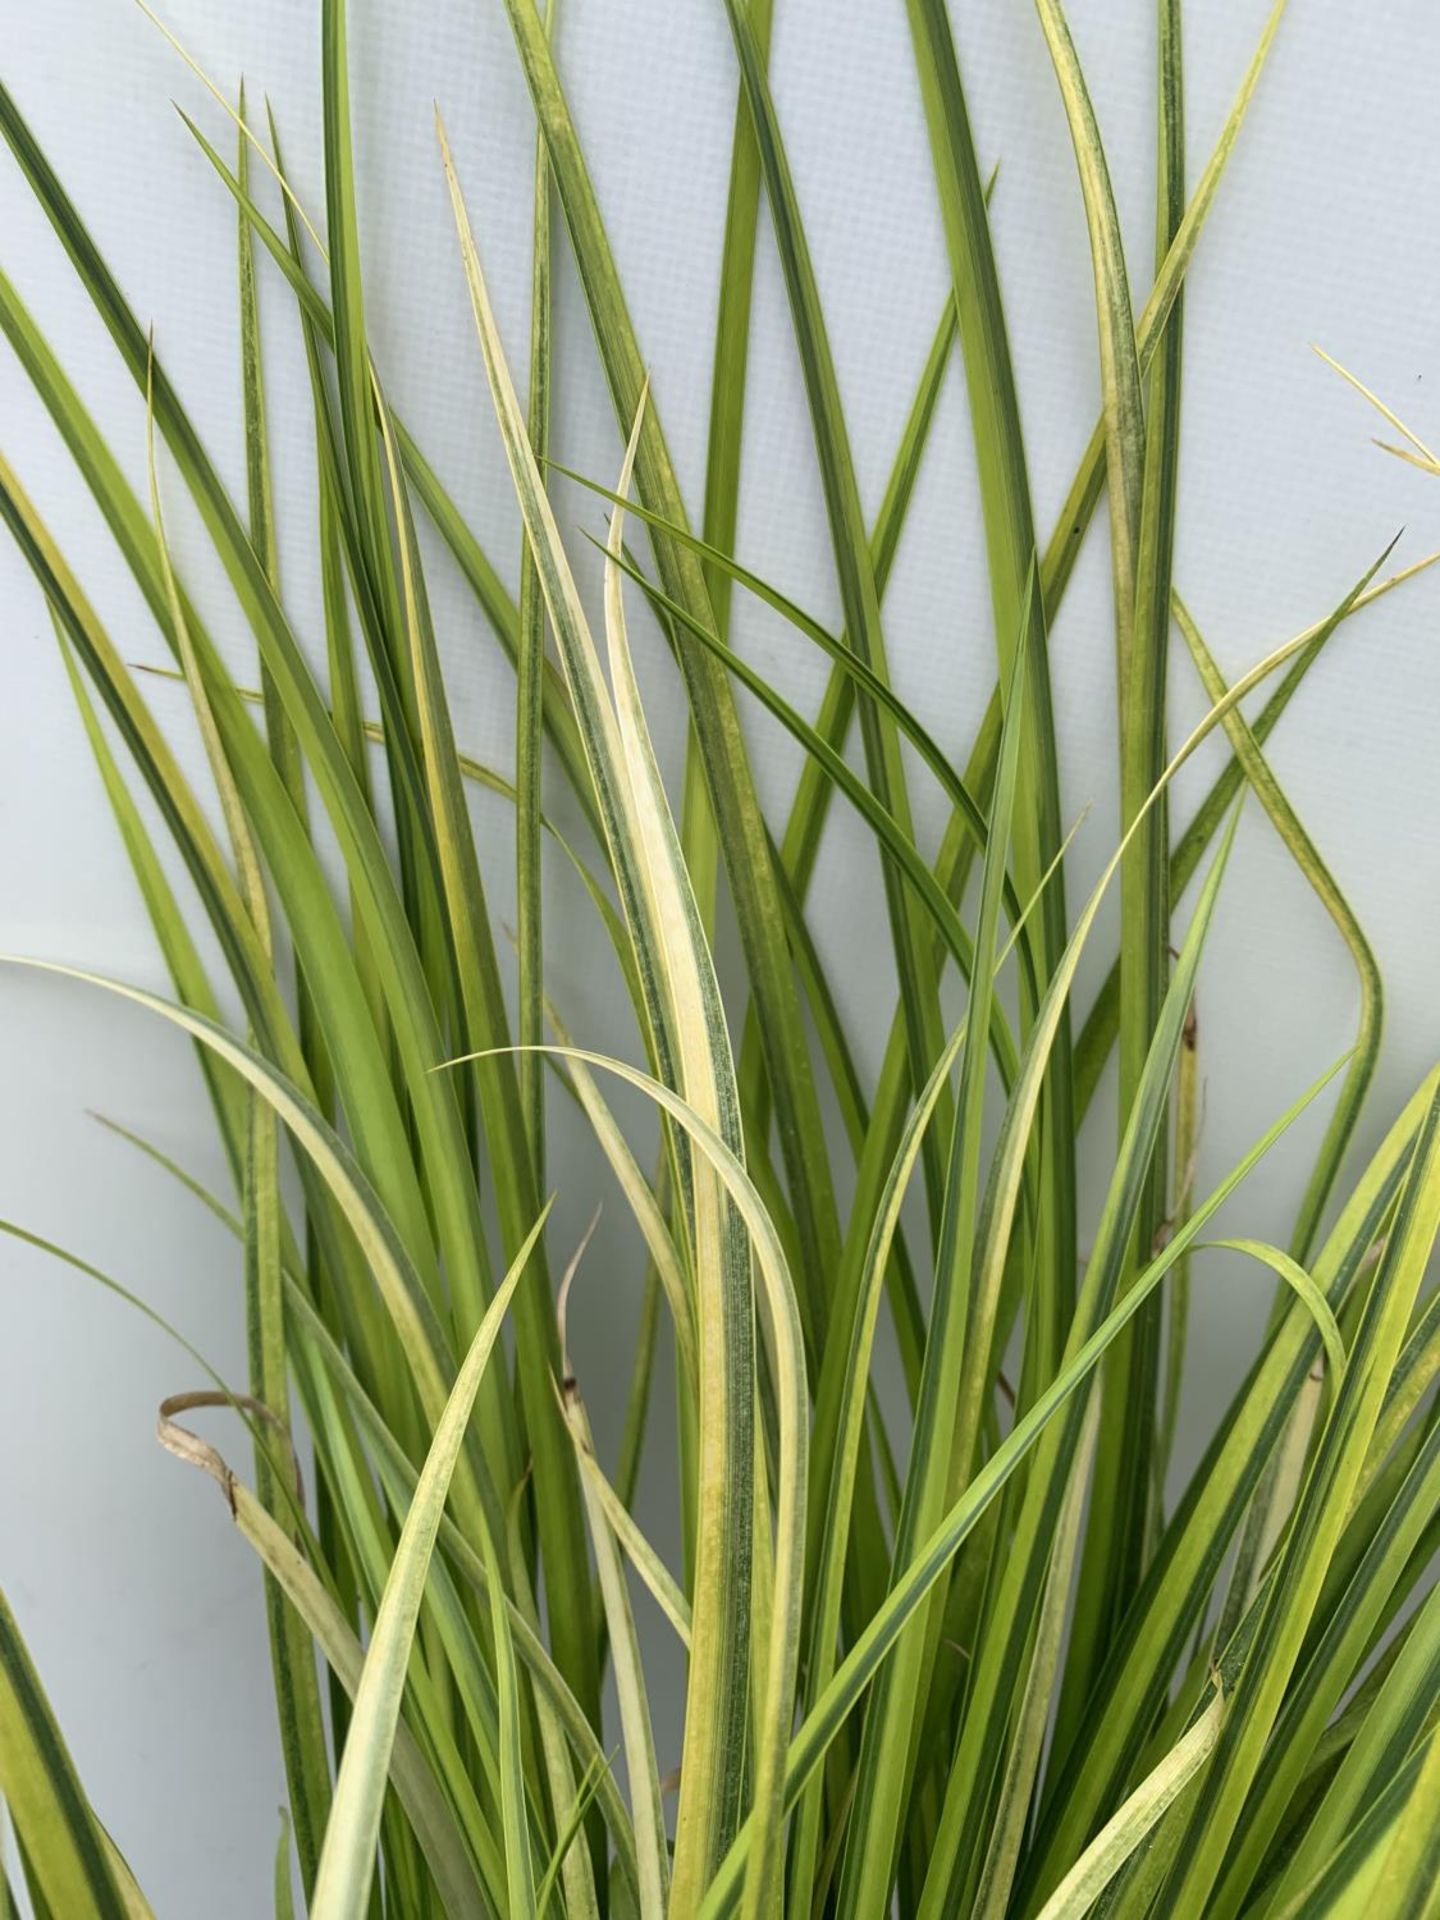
(309, 911)
(1080, 502)
(1097, 1036)
(1123, 408)
(399, 1477)
(1289, 1270)
(388, 1260)
(1312, 865)
(182, 958)
(897, 845)
(279, 649)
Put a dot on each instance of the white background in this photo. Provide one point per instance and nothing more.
(140, 1604)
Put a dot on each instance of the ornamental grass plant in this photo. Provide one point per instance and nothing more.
(974, 1641)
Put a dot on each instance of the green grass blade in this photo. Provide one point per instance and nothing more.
(1343, 1630)
(1312, 865)
(732, 328)
(1408, 1887)
(530, 691)
(557, 1492)
(652, 1846)
(348, 1857)
(352, 355)
(1186, 1155)
(947, 1412)
(723, 441)
(431, 1817)
(293, 868)
(1116, 1535)
(1013, 1605)
(1121, 1526)
(399, 1477)
(1294, 1276)
(1123, 402)
(1097, 1037)
(687, 1026)
(570, 1828)
(1085, 490)
(864, 1659)
(739, 824)
(1394, 1724)
(809, 809)
(284, 1892)
(499, 609)
(896, 843)
(292, 1656)
(283, 744)
(1006, 505)
(390, 1264)
(1344, 1887)
(1121, 1834)
(839, 1416)
(859, 594)
(777, 1291)
(1203, 1853)
(182, 958)
(1193, 1550)
(67, 1855)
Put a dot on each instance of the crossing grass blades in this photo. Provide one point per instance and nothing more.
(952, 1651)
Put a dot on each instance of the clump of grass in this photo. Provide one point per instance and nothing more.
(970, 1659)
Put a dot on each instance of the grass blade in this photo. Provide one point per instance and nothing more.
(1202, 1857)
(67, 1854)
(652, 1847)
(859, 594)
(348, 1857)
(530, 691)
(739, 824)
(947, 1413)
(1124, 1832)
(861, 1663)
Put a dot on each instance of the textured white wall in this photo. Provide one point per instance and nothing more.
(140, 1604)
